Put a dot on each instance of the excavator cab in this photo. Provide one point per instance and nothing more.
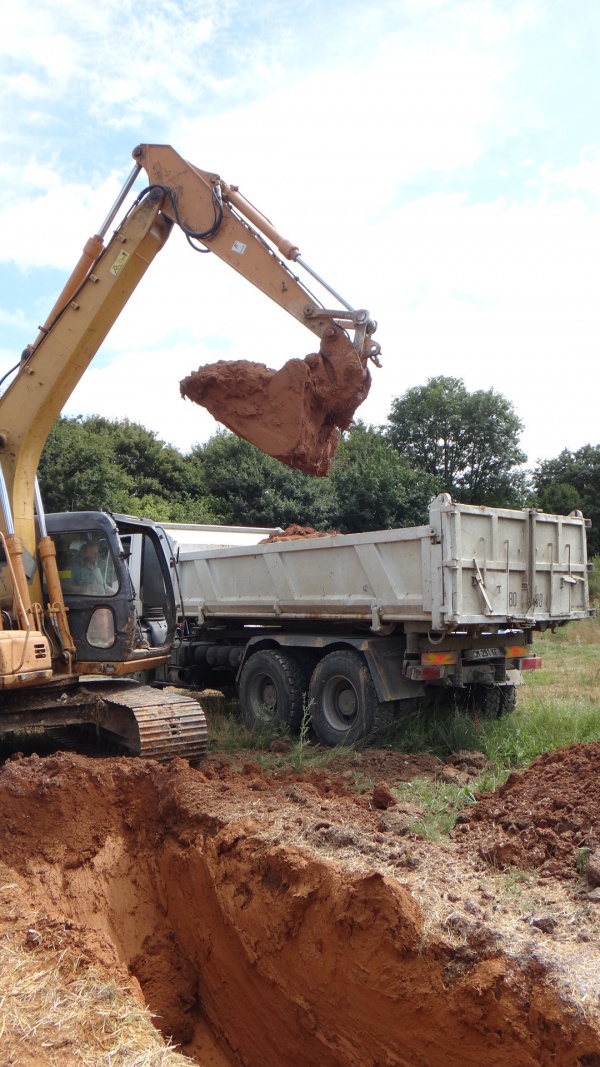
(117, 628)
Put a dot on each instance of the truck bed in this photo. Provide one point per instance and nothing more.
(470, 568)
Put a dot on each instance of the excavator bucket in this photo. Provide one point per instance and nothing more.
(292, 414)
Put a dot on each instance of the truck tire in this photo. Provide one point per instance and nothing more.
(272, 690)
(509, 699)
(487, 701)
(343, 702)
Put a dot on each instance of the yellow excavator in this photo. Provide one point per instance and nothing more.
(74, 633)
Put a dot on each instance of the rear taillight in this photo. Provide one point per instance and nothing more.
(531, 663)
(430, 672)
(424, 674)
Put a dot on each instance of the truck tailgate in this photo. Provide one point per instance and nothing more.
(516, 567)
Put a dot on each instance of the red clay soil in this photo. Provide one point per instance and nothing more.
(292, 414)
(296, 533)
(540, 817)
(219, 893)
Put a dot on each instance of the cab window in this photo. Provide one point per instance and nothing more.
(86, 566)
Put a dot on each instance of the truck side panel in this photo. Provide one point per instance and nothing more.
(362, 576)
(472, 567)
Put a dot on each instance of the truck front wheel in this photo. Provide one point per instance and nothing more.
(271, 690)
(343, 703)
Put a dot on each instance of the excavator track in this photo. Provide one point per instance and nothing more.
(168, 725)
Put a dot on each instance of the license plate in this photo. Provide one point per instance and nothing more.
(484, 653)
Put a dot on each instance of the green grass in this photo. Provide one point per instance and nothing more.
(441, 801)
(558, 705)
(229, 733)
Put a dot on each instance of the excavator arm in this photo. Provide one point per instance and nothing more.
(292, 414)
(209, 210)
(318, 393)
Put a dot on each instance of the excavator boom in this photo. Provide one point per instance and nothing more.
(210, 211)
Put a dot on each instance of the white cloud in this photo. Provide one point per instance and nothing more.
(581, 177)
(144, 386)
(502, 295)
(119, 62)
(337, 137)
(49, 230)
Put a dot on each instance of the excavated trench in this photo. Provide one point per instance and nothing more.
(252, 951)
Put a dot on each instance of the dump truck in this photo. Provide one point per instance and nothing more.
(75, 635)
(351, 630)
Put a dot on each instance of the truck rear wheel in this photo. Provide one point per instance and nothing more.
(343, 702)
(493, 701)
(271, 690)
(509, 699)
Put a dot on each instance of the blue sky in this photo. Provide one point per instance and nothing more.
(437, 161)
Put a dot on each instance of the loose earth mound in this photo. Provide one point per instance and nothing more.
(540, 818)
(269, 919)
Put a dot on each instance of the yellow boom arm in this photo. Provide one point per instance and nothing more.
(208, 211)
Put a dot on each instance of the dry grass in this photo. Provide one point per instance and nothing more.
(57, 1009)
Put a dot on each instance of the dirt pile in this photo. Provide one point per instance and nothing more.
(292, 414)
(296, 533)
(542, 816)
(252, 944)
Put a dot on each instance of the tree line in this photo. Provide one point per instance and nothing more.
(439, 437)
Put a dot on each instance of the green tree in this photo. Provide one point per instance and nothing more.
(374, 488)
(248, 488)
(468, 442)
(570, 482)
(95, 464)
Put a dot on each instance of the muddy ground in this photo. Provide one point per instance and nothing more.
(295, 917)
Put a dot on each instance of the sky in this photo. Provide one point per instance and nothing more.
(436, 161)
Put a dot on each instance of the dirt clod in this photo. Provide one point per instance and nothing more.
(471, 763)
(542, 816)
(296, 533)
(383, 797)
(292, 414)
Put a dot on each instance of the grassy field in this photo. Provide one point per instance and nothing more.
(558, 705)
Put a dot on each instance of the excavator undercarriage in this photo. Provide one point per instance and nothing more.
(136, 720)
